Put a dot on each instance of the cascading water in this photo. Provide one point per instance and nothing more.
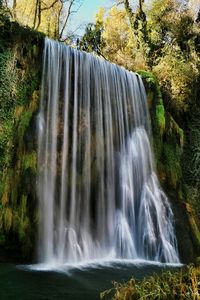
(99, 195)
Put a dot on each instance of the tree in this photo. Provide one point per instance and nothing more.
(118, 37)
(111, 36)
(49, 16)
(138, 22)
(92, 39)
(194, 7)
(165, 40)
(14, 8)
(174, 56)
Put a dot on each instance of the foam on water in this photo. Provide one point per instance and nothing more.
(104, 264)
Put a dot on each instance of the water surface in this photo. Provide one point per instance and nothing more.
(80, 282)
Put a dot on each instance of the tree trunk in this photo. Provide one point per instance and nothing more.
(14, 8)
(36, 14)
(129, 12)
(39, 14)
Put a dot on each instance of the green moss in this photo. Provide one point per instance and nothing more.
(8, 216)
(175, 130)
(23, 124)
(5, 194)
(194, 227)
(191, 154)
(192, 194)
(26, 88)
(171, 157)
(14, 193)
(34, 50)
(23, 206)
(160, 117)
(8, 78)
(23, 226)
(20, 74)
(150, 78)
(152, 83)
(29, 161)
(168, 137)
(155, 102)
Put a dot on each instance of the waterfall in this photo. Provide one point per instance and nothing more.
(99, 195)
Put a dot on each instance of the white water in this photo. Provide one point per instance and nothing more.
(99, 196)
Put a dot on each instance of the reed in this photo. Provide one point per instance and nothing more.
(183, 284)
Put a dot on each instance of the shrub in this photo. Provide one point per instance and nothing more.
(184, 284)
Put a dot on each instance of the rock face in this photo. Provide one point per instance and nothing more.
(173, 159)
(20, 76)
(20, 73)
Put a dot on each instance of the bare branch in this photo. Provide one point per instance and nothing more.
(50, 6)
(69, 13)
(39, 14)
(14, 8)
(9, 10)
(67, 18)
(75, 11)
(71, 34)
(5, 3)
(59, 17)
(36, 13)
(120, 3)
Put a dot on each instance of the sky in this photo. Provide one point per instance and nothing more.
(88, 10)
(86, 14)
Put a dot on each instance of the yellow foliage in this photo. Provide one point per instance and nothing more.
(165, 10)
(100, 15)
(140, 62)
(176, 76)
(25, 13)
(49, 19)
(120, 46)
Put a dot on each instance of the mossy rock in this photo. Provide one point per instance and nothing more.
(169, 142)
(160, 116)
(20, 76)
(194, 227)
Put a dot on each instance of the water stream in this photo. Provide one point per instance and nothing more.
(99, 195)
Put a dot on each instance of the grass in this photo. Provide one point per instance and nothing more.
(183, 284)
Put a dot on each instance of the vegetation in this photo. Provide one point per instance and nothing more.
(184, 284)
(161, 37)
(48, 16)
(20, 61)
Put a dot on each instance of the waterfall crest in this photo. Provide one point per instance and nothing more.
(99, 195)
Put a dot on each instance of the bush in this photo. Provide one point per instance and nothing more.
(184, 284)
